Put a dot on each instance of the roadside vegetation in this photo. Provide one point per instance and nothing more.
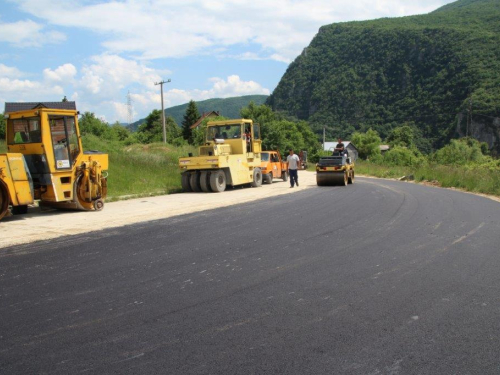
(463, 163)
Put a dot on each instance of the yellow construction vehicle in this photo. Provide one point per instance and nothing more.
(230, 156)
(46, 162)
(337, 169)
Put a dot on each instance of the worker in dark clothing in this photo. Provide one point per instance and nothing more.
(248, 138)
(339, 149)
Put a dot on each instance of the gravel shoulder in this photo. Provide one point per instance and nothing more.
(43, 225)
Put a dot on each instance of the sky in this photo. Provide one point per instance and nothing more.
(105, 54)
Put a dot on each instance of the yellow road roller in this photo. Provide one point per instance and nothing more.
(231, 156)
(337, 169)
(46, 161)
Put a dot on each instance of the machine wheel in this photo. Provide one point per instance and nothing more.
(320, 181)
(185, 182)
(350, 179)
(344, 181)
(20, 210)
(205, 182)
(284, 176)
(269, 178)
(98, 204)
(218, 181)
(4, 200)
(82, 203)
(194, 182)
(257, 177)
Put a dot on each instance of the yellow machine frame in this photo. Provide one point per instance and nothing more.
(46, 162)
(237, 158)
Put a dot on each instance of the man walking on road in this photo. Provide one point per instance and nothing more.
(293, 164)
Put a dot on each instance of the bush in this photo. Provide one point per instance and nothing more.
(367, 144)
(402, 156)
(460, 152)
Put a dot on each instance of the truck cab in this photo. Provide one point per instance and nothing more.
(273, 166)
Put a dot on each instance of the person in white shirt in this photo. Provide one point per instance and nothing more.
(293, 164)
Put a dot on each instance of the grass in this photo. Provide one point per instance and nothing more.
(140, 170)
(475, 179)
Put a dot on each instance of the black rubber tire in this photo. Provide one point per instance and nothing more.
(269, 178)
(186, 187)
(350, 179)
(284, 176)
(98, 204)
(205, 182)
(344, 181)
(257, 177)
(20, 210)
(194, 182)
(4, 200)
(218, 181)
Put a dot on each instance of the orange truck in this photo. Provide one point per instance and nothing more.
(273, 166)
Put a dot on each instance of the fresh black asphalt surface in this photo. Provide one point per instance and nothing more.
(379, 277)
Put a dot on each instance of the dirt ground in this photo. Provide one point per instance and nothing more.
(44, 225)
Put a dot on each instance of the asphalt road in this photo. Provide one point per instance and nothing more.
(381, 277)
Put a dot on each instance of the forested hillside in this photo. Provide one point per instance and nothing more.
(228, 107)
(439, 73)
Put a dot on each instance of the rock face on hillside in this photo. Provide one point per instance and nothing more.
(484, 129)
(424, 71)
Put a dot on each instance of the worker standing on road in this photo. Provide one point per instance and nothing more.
(293, 164)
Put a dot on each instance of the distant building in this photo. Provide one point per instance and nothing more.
(351, 149)
(203, 117)
(384, 148)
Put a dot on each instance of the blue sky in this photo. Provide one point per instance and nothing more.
(95, 52)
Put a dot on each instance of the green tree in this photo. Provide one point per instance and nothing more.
(152, 129)
(90, 124)
(280, 133)
(2, 126)
(403, 156)
(401, 136)
(367, 143)
(460, 152)
(190, 117)
(119, 132)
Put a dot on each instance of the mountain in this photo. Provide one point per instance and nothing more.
(438, 72)
(228, 107)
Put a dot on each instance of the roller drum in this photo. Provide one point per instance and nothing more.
(330, 179)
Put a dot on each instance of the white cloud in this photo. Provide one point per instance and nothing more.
(65, 74)
(28, 34)
(108, 74)
(147, 100)
(175, 28)
(9, 72)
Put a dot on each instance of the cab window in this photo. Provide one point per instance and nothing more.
(64, 140)
(256, 131)
(24, 130)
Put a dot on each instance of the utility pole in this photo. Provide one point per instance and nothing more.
(470, 117)
(162, 110)
(130, 110)
(324, 138)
